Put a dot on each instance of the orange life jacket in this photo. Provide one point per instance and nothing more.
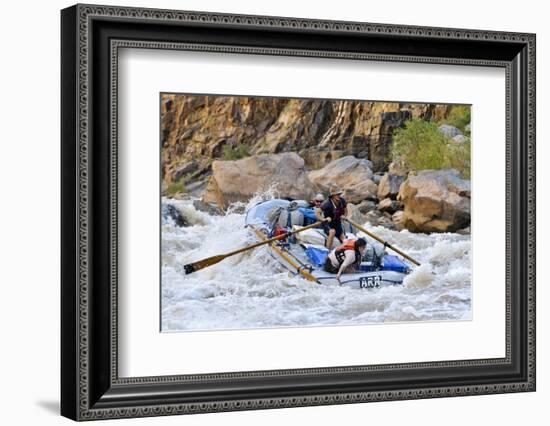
(347, 245)
(279, 230)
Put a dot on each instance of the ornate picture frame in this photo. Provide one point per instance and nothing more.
(91, 37)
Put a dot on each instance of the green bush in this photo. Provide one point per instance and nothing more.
(230, 153)
(174, 188)
(459, 153)
(420, 145)
(459, 116)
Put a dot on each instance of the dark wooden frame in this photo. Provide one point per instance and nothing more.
(90, 386)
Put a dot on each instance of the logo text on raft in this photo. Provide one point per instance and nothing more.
(370, 282)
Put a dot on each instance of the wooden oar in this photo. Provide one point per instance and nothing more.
(195, 266)
(370, 234)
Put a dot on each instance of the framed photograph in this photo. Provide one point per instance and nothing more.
(263, 212)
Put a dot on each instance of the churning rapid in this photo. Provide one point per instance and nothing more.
(251, 290)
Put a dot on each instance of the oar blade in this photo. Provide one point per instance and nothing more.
(193, 267)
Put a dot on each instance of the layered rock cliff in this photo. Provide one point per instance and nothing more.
(196, 128)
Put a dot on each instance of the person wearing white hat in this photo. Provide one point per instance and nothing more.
(334, 209)
(318, 198)
(315, 204)
(313, 213)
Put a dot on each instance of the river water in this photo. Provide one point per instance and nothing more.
(251, 290)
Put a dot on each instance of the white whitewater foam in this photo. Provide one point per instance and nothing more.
(251, 290)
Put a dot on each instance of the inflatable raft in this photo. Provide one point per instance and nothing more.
(304, 253)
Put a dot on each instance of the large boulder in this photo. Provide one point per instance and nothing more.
(352, 175)
(449, 131)
(435, 201)
(239, 180)
(355, 214)
(390, 206)
(373, 217)
(377, 177)
(366, 206)
(398, 219)
(389, 186)
(183, 169)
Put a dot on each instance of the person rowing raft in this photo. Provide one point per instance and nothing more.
(334, 209)
(346, 257)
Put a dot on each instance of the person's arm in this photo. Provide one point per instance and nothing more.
(319, 214)
(348, 260)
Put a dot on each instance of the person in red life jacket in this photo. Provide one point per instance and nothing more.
(334, 209)
(346, 257)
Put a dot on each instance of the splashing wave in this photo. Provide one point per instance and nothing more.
(250, 290)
